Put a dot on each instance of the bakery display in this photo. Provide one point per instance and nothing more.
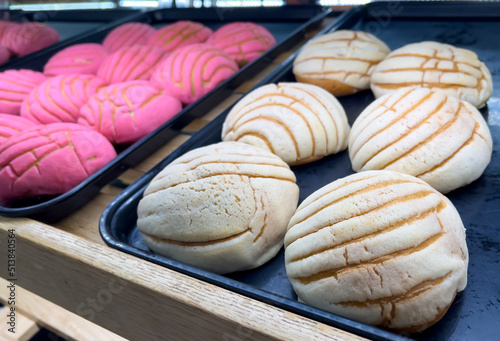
(50, 159)
(128, 111)
(243, 41)
(60, 98)
(28, 37)
(192, 71)
(15, 86)
(11, 125)
(437, 138)
(179, 34)
(379, 247)
(219, 207)
(341, 62)
(456, 71)
(76, 59)
(130, 63)
(127, 35)
(298, 122)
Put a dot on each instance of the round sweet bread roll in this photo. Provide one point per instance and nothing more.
(340, 62)
(457, 72)
(417, 131)
(179, 34)
(82, 59)
(243, 41)
(60, 98)
(298, 122)
(220, 207)
(127, 35)
(130, 63)
(380, 247)
(192, 71)
(15, 86)
(126, 112)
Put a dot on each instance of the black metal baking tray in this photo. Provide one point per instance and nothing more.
(475, 312)
(70, 24)
(289, 26)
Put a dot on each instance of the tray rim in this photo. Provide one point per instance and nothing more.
(130, 156)
(131, 192)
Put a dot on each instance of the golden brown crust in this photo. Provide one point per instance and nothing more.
(333, 86)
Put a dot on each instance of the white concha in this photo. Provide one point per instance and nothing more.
(379, 247)
(298, 122)
(340, 62)
(417, 131)
(456, 71)
(219, 207)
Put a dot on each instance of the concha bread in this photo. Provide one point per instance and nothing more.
(82, 59)
(127, 35)
(298, 122)
(60, 98)
(224, 207)
(192, 71)
(130, 63)
(380, 247)
(340, 62)
(11, 125)
(50, 159)
(437, 138)
(15, 86)
(243, 41)
(179, 34)
(126, 112)
(455, 71)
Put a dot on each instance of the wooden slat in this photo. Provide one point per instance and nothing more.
(24, 328)
(140, 300)
(53, 318)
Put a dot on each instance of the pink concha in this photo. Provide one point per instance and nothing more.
(76, 59)
(128, 111)
(127, 35)
(179, 34)
(29, 37)
(5, 26)
(4, 54)
(15, 86)
(11, 125)
(243, 41)
(50, 159)
(59, 99)
(130, 63)
(192, 71)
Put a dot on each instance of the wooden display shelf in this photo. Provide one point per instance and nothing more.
(67, 266)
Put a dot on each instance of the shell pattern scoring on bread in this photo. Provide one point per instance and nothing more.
(379, 247)
(127, 35)
(298, 122)
(15, 86)
(130, 63)
(179, 34)
(50, 159)
(456, 71)
(340, 62)
(126, 112)
(60, 98)
(192, 71)
(437, 138)
(219, 207)
(243, 41)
